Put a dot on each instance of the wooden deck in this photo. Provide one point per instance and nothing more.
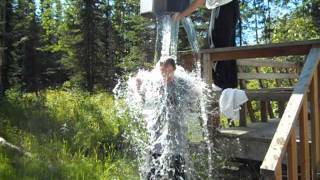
(253, 141)
(278, 141)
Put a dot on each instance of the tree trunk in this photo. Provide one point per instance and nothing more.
(2, 44)
(269, 23)
(256, 21)
(1, 84)
(315, 13)
(240, 29)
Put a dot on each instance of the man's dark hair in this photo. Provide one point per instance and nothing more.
(171, 62)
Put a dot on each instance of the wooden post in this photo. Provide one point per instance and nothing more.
(213, 119)
(304, 141)
(207, 69)
(318, 71)
(281, 105)
(270, 110)
(278, 172)
(315, 124)
(266, 107)
(269, 106)
(243, 115)
(250, 110)
(281, 108)
(264, 111)
(292, 156)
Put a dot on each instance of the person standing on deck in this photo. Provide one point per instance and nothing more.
(222, 30)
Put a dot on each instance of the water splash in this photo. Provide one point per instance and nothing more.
(209, 96)
(159, 108)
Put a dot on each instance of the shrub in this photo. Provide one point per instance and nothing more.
(71, 135)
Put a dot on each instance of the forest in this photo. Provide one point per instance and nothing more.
(61, 59)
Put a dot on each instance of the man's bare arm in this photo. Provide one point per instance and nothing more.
(193, 7)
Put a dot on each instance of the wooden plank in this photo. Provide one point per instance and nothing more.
(281, 108)
(281, 103)
(260, 80)
(207, 69)
(281, 137)
(315, 147)
(266, 63)
(319, 107)
(214, 118)
(278, 82)
(243, 115)
(252, 144)
(243, 86)
(304, 144)
(267, 76)
(273, 90)
(290, 80)
(278, 174)
(251, 112)
(262, 85)
(186, 61)
(254, 140)
(292, 157)
(263, 109)
(270, 50)
(270, 110)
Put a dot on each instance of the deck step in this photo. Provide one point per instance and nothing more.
(252, 142)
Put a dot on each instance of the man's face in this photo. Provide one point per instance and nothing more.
(169, 69)
(169, 72)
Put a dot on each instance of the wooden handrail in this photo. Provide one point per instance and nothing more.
(257, 51)
(284, 138)
(268, 50)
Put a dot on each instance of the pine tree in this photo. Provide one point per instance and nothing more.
(2, 42)
(87, 42)
(315, 13)
(52, 70)
(23, 40)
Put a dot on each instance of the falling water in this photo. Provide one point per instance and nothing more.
(204, 100)
(191, 33)
(150, 106)
(167, 37)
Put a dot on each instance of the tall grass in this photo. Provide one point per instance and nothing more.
(71, 135)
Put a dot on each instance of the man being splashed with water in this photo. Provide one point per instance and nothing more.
(172, 96)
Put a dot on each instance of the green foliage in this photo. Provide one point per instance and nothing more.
(70, 134)
(86, 42)
(92, 43)
(136, 36)
(85, 45)
(296, 26)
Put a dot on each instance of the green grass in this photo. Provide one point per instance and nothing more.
(70, 134)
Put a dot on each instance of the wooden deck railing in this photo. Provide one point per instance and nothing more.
(284, 140)
(307, 88)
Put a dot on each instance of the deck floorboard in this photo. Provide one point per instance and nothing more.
(252, 142)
